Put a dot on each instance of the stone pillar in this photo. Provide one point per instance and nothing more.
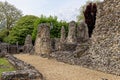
(72, 33)
(42, 44)
(28, 46)
(63, 35)
(82, 31)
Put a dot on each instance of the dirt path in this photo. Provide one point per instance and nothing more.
(54, 70)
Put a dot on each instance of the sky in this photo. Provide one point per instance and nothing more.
(64, 9)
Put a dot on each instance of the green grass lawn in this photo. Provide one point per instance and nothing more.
(5, 66)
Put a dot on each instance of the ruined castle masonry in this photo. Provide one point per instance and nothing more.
(63, 35)
(72, 33)
(42, 43)
(28, 46)
(105, 47)
(82, 32)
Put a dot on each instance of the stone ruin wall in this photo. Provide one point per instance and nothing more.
(74, 46)
(105, 49)
(104, 45)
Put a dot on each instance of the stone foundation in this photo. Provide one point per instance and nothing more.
(24, 71)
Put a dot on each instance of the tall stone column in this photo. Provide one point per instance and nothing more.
(72, 33)
(63, 35)
(42, 44)
(28, 46)
(82, 31)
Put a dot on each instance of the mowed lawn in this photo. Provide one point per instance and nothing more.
(5, 66)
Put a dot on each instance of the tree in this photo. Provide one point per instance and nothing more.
(82, 9)
(9, 14)
(3, 33)
(90, 17)
(88, 13)
(21, 29)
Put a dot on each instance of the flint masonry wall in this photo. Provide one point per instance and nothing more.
(105, 49)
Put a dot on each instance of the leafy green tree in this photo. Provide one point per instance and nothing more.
(9, 14)
(55, 26)
(3, 33)
(22, 28)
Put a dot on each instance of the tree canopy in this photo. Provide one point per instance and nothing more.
(22, 28)
(9, 14)
(29, 24)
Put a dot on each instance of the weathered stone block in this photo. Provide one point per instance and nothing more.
(28, 46)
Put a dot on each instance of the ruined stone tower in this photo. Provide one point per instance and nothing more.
(42, 44)
(72, 33)
(105, 47)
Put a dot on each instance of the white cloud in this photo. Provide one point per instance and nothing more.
(70, 10)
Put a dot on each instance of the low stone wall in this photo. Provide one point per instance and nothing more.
(76, 55)
(24, 71)
(70, 58)
(55, 42)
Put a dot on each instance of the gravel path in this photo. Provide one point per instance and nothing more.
(53, 70)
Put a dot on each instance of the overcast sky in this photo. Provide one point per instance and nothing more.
(64, 9)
